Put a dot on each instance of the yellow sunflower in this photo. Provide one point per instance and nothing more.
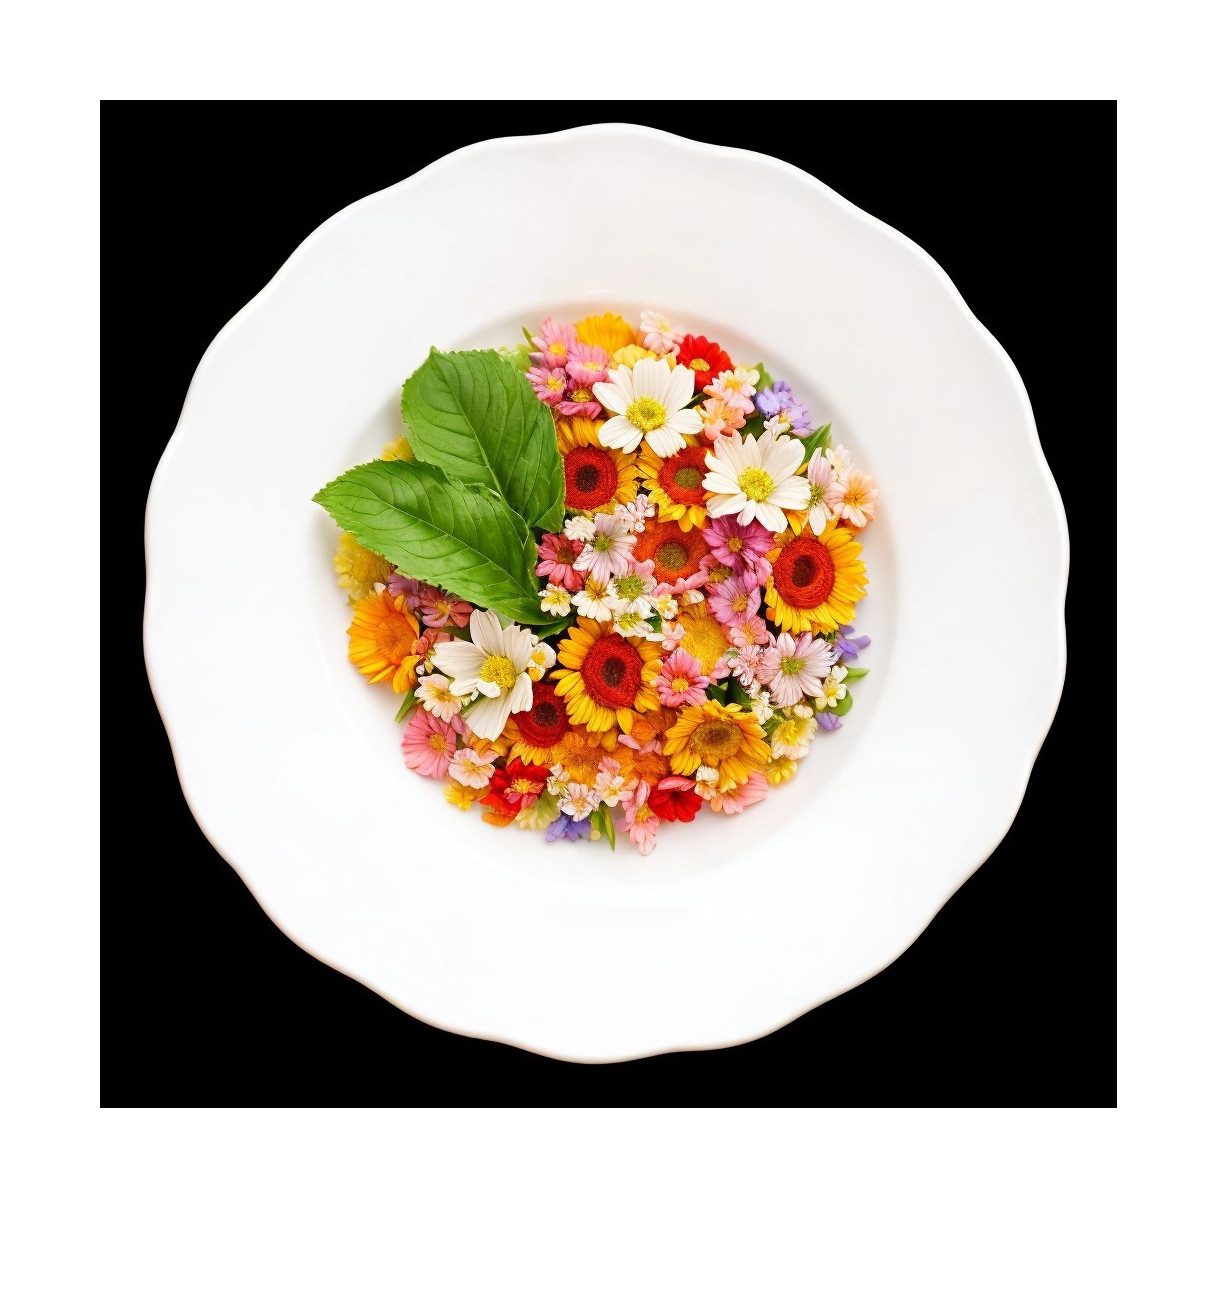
(609, 330)
(596, 479)
(720, 736)
(532, 733)
(382, 636)
(674, 483)
(816, 582)
(606, 679)
(703, 636)
(579, 754)
(358, 568)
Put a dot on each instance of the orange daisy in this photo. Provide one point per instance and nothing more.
(382, 636)
(674, 484)
(677, 551)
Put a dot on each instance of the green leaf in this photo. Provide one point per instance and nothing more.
(818, 439)
(766, 378)
(855, 674)
(716, 692)
(463, 538)
(842, 706)
(411, 699)
(517, 356)
(601, 820)
(736, 693)
(473, 414)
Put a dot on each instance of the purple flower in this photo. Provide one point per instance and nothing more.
(849, 649)
(829, 722)
(563, 827)
(777, 401)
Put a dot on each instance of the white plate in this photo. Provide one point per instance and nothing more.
(290, 761)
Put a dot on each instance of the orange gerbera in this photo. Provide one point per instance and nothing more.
(606, 679)
(816, 582)
(609, 330)
(596, 479)
(579, 754)
(382, 637)
(674, 483)
(677, 552)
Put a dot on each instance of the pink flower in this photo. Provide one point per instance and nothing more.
(826, 491)
(794, 669)
(747, 663)
(609, 551)
(429, 743)
(470, 768)
(588, 365)
(429, 639)
(406, 586)
(557, 556)
(439, 609)
(751, 631)
(735, 545)
(581, 404)
(735, 387)
(548, 383)
(641, 822)
(553, 343)
(857, 498)
(742, 797)
(680, 681)
(735, 600)
(720, 417)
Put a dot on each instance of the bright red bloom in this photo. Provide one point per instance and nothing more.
(706, 359)
(515, 787)
(674, 800)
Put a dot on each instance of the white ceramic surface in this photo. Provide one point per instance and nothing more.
(733, 927)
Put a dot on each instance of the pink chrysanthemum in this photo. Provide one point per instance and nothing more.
(548, 383)
(429, 743)
(742, 797)
(747, 663)
(736, 545)
(439, 609)
(735, 600)
(680, 681)
(609, 551)
(588, 365)
(826, 492)
(406, 586)
(557, 556)
(795, 668)
(553, 343)
(752, 631)
(720, 417)
(641, 822)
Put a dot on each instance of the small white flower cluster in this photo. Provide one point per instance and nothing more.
(578, 799)
(618, 588)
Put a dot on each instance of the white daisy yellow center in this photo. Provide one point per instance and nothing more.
(646, 414)
(756, 484)
(499, 670)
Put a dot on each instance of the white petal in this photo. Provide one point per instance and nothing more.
(623, 377)
(768, 515)
(746, 511)
(784, 460)
(611, 397)
(680, 384)
(650, 377)
(793, 493)
(458, 658)
(485, 631)
(490, 689)
(619, 434)
(684, 420)
(720, 483)
(665, 440)
(519, 646)
(727, 504)
(487, 718)
(521, 695)
(733, 453)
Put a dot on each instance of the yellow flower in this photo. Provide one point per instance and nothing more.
(628, 355)
(463, 797)
(609, 330)
(816, 582)
(596, 479)
(398, 449)
(674, 483)
(358, 568)
(780, 770)
(579, 754)
(720, 736)
(382, 636)
(606, 679)
(703, 636)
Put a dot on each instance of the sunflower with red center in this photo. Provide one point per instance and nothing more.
(515, 787)
(816, 582)
(532, 733)
(706, 359)
(596, 479)
(674, 484)
(677, 551)
(606, 679)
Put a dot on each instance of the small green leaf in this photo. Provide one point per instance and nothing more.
(819, 439)
(842, 706)
(736, 693)
(473, 414)
(601, 820)
(855, 674)
(462, 538)
(766, 378)
(716, 692)
(411, 699)
(517, 356)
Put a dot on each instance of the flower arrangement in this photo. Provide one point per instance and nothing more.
(613, 575)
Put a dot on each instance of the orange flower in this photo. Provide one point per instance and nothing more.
(382, 637)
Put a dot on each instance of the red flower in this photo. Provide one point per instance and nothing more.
(674, 800)
(706, 359)
(515, 787)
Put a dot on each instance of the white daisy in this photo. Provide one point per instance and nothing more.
(594, 600)
(756, 479)
(555, 600)
(494, 664)
(578, 800)
(834, 689)
(648, 401)
(792, 738)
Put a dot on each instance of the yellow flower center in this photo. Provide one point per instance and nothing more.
(791, 665)
(629, 587)
(557, 348)
(704, 640)
(756, 484)
(555, 384)
(581, 394)
(699, 366)
(816, 493)
(603, 543)
(644, 814)
(789, 732)
(679, 684)
(646, 414)
(437, 743)
(499, 670)
(739, 604)
(735, 544)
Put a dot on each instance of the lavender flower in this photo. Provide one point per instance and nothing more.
(849, 649)
(829, 722)
(563, 827)
(786, 414)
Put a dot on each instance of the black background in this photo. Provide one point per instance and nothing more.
(1007, 997)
